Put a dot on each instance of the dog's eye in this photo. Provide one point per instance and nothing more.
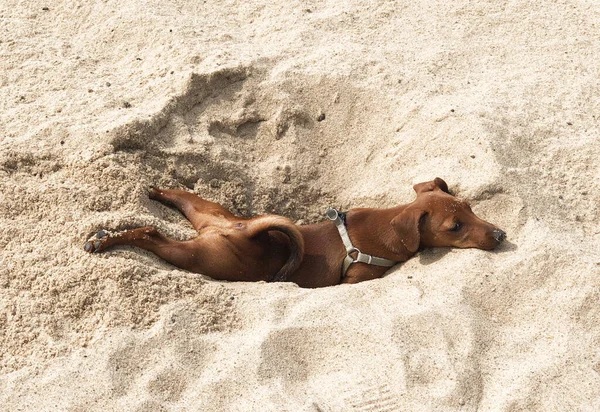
(457, 226)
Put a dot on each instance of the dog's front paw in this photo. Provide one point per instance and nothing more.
(96, 243)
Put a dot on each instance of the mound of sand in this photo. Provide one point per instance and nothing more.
(288, 109)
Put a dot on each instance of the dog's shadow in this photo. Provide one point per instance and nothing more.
(429, 256)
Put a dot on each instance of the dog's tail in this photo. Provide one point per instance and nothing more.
(286, 226)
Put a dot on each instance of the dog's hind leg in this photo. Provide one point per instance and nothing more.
(183, 254)
(197, 210)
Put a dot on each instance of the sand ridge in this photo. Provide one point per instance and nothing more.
(291, 108)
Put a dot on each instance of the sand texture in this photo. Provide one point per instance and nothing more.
(289, 107)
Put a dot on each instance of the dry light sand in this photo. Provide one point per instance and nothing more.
(100, 100)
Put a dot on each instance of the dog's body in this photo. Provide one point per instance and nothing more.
(274, 248)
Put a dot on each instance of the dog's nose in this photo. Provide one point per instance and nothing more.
(499, 235)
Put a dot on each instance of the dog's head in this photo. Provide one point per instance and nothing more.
(438, 219)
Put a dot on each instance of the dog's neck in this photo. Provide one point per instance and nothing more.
(371, 231)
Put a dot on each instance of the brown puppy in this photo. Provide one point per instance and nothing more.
(271, 247)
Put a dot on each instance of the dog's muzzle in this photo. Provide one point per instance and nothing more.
(499, 235)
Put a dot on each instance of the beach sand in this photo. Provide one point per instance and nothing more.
(289, 108)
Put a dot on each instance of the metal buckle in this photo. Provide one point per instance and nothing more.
(354, 260)
(331, 213)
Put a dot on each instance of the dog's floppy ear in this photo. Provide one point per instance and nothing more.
(406, 224)
(436, 184)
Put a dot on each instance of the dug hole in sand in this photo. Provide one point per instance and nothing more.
(288, 109)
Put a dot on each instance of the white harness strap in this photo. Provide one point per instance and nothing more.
(340, 224)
